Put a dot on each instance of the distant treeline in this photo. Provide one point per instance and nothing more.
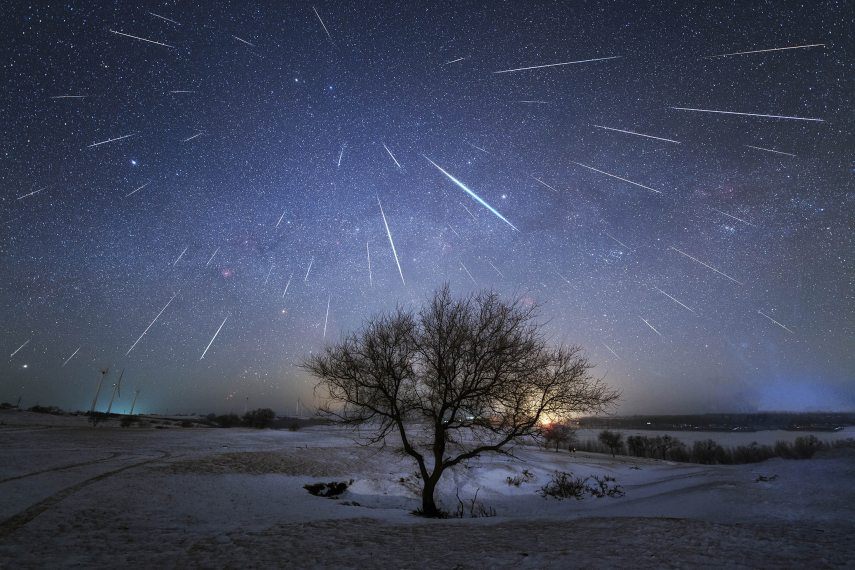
(707, 451)
(808, 421)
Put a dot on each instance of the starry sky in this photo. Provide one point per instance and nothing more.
(196, 171)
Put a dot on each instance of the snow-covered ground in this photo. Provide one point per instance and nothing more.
(73, 495)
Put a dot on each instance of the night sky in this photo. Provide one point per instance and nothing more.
(189, 175)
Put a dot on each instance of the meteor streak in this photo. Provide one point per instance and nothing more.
(636, 134)
(324, 26)
(776, 322)
(110, 140)
(164, 18)
(478, 148)
(182, 91)
(34, 192)
(556, 64)
(269, 271)
(617, 240)
(454, 60)
(327, 318)
(213, 338)
(675, 300)
(469, 274)
(763, 50)
(177, 259)
(471, 193)
(193, 137)
(370, 277)
(748, 114)
(544, 183)
(649, 325)
(141, 39)
(732, 216)
(612, 351)
(770, 150)
(280, 218)
(398, 164)
(340, 154)
(242, 40)
(287, 285)
(469, 212)
(20, 347)
(70, 357)
(618, 177)
(705, 265)
(496, 269)
(212, 257)
(69, 96)
(392, 243)
(150, 324)
(138, 189)
(306, 278)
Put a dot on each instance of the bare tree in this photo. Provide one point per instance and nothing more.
(459, 378)
(612, 439)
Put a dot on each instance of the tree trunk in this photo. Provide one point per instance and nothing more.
(429, 508)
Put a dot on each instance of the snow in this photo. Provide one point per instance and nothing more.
(73, 495)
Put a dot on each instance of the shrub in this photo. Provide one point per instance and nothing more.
(332, 489)
(518, 480)
(186, 424)
(46, 410)
(806, 446)
(709, 452)
(128, 421)
(260, 418)
(564, 485)
(605, 486)
(476, 509)
(613, 440)
(227, 420)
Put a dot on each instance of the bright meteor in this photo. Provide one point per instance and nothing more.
(748, 114)
(391, 242)
(556, 64)
(471, 193)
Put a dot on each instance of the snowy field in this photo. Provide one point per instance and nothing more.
(76, 496)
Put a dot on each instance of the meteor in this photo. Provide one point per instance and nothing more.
(242, 40)
(612, 351)
(70, 357)
(287, 285)
(770, 150)
(478, 148)
(182, 91)
(110, 140)
(177, 259)
(138, 189)
(617, 240)
(20, 347)
(327, 318)
(675, 300)
(150, 324)
(618, 177)
(33, 193)
(213, 338)
(544, 183)
(212, 257)
(732, 216)
(705, 265)
(556, 64)
(398, 164)
(306, 278)
(649, 325)
(469, 274)
(471, 193)
(469, 212)
(280, 218)
(392, 243)
(496, 269)
(324, 26)
(776, 322)
(454, 60)
(69, 96)
(141, 39)
(164, 18)
(370, 277)
(636, 134)
(193, 137)
(266, 279)
(749, 114)
(341, 154)
(763, 50)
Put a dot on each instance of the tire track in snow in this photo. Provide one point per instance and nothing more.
(112, 455)
(15, 522)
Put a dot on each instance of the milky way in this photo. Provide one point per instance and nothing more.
(680, 182)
